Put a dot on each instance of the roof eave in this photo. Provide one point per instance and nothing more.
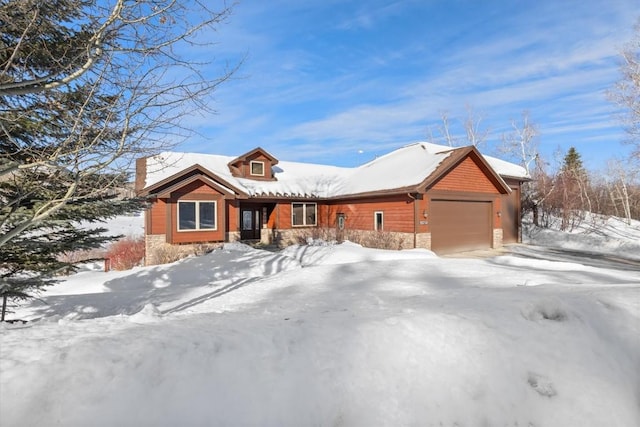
(196, 167)
(453, 159)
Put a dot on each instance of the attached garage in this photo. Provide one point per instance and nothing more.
(460, 225)
(422, 195)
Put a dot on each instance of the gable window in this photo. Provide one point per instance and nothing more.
(304, 214)
(378, 220)
(257, 168)
(197, 215)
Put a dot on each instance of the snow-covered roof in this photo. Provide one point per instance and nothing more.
(405, 167)
(502, 167)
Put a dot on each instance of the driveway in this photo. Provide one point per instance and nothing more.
(593, 259)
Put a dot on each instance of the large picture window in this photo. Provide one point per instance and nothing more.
(197, 215)
(304, 214)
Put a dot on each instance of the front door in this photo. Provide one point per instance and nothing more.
(250, 224)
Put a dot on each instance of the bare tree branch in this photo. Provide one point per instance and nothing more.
(88, 86)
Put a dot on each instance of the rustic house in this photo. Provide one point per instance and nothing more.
(420, 196)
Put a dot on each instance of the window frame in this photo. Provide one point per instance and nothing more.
(197, 218)
(375, 221)
(256, 162)
(304, 214)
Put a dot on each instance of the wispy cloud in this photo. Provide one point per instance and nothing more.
(325, 77)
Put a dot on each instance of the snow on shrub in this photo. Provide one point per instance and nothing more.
(125, 253)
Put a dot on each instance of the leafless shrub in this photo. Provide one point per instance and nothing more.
(376, 239)
(166, 253)
(126, 253)
(303, 236)
(75, 257)
(205, 248)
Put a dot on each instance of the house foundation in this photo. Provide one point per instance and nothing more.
(423, 240)
(497, 238)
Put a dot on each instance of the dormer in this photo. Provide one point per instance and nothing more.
(256, 164)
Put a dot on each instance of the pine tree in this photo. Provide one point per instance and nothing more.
(32, 260)
(572, 197)
(50, 145)
(42, 200)
(84, 91)
(573, 162)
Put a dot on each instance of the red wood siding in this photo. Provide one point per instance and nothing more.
(283, 215)
(197, 191)
(422, 213)
(157, 217)
(272, 220)
(398, 213)
(468, 177)
(233, 215)
(245, 167)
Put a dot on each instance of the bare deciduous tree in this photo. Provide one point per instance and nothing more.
(87, 86)
(476, 136)
(620, 179)
(626, 92)
(521, 143)
(445, 130)
(471, 127)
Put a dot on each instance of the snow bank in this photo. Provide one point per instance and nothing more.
(335, 335)
(125, 225)
(608, 235)
(171, 288)
(322, 253)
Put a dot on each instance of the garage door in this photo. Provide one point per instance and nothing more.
(458, 226)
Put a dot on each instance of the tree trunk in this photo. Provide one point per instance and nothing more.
(4, 307)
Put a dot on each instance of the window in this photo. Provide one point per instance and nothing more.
(196, 216)
(303, 214)
(257, 168)
(341, 221)
(378, 221)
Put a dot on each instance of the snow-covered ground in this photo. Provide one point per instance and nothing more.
(125, 225)
(335, 335)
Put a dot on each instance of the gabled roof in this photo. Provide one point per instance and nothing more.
(406, 169)
(162, 187)
(458, 155)
(249, 154)
(502, 167)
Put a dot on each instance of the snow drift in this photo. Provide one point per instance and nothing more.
(333, 335)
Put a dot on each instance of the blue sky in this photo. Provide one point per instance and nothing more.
(341, 82)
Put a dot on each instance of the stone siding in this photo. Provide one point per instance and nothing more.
(497, 238)
(152, 243)
(367, 238)
(423, 240)
(233, 236)
(158, 251)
